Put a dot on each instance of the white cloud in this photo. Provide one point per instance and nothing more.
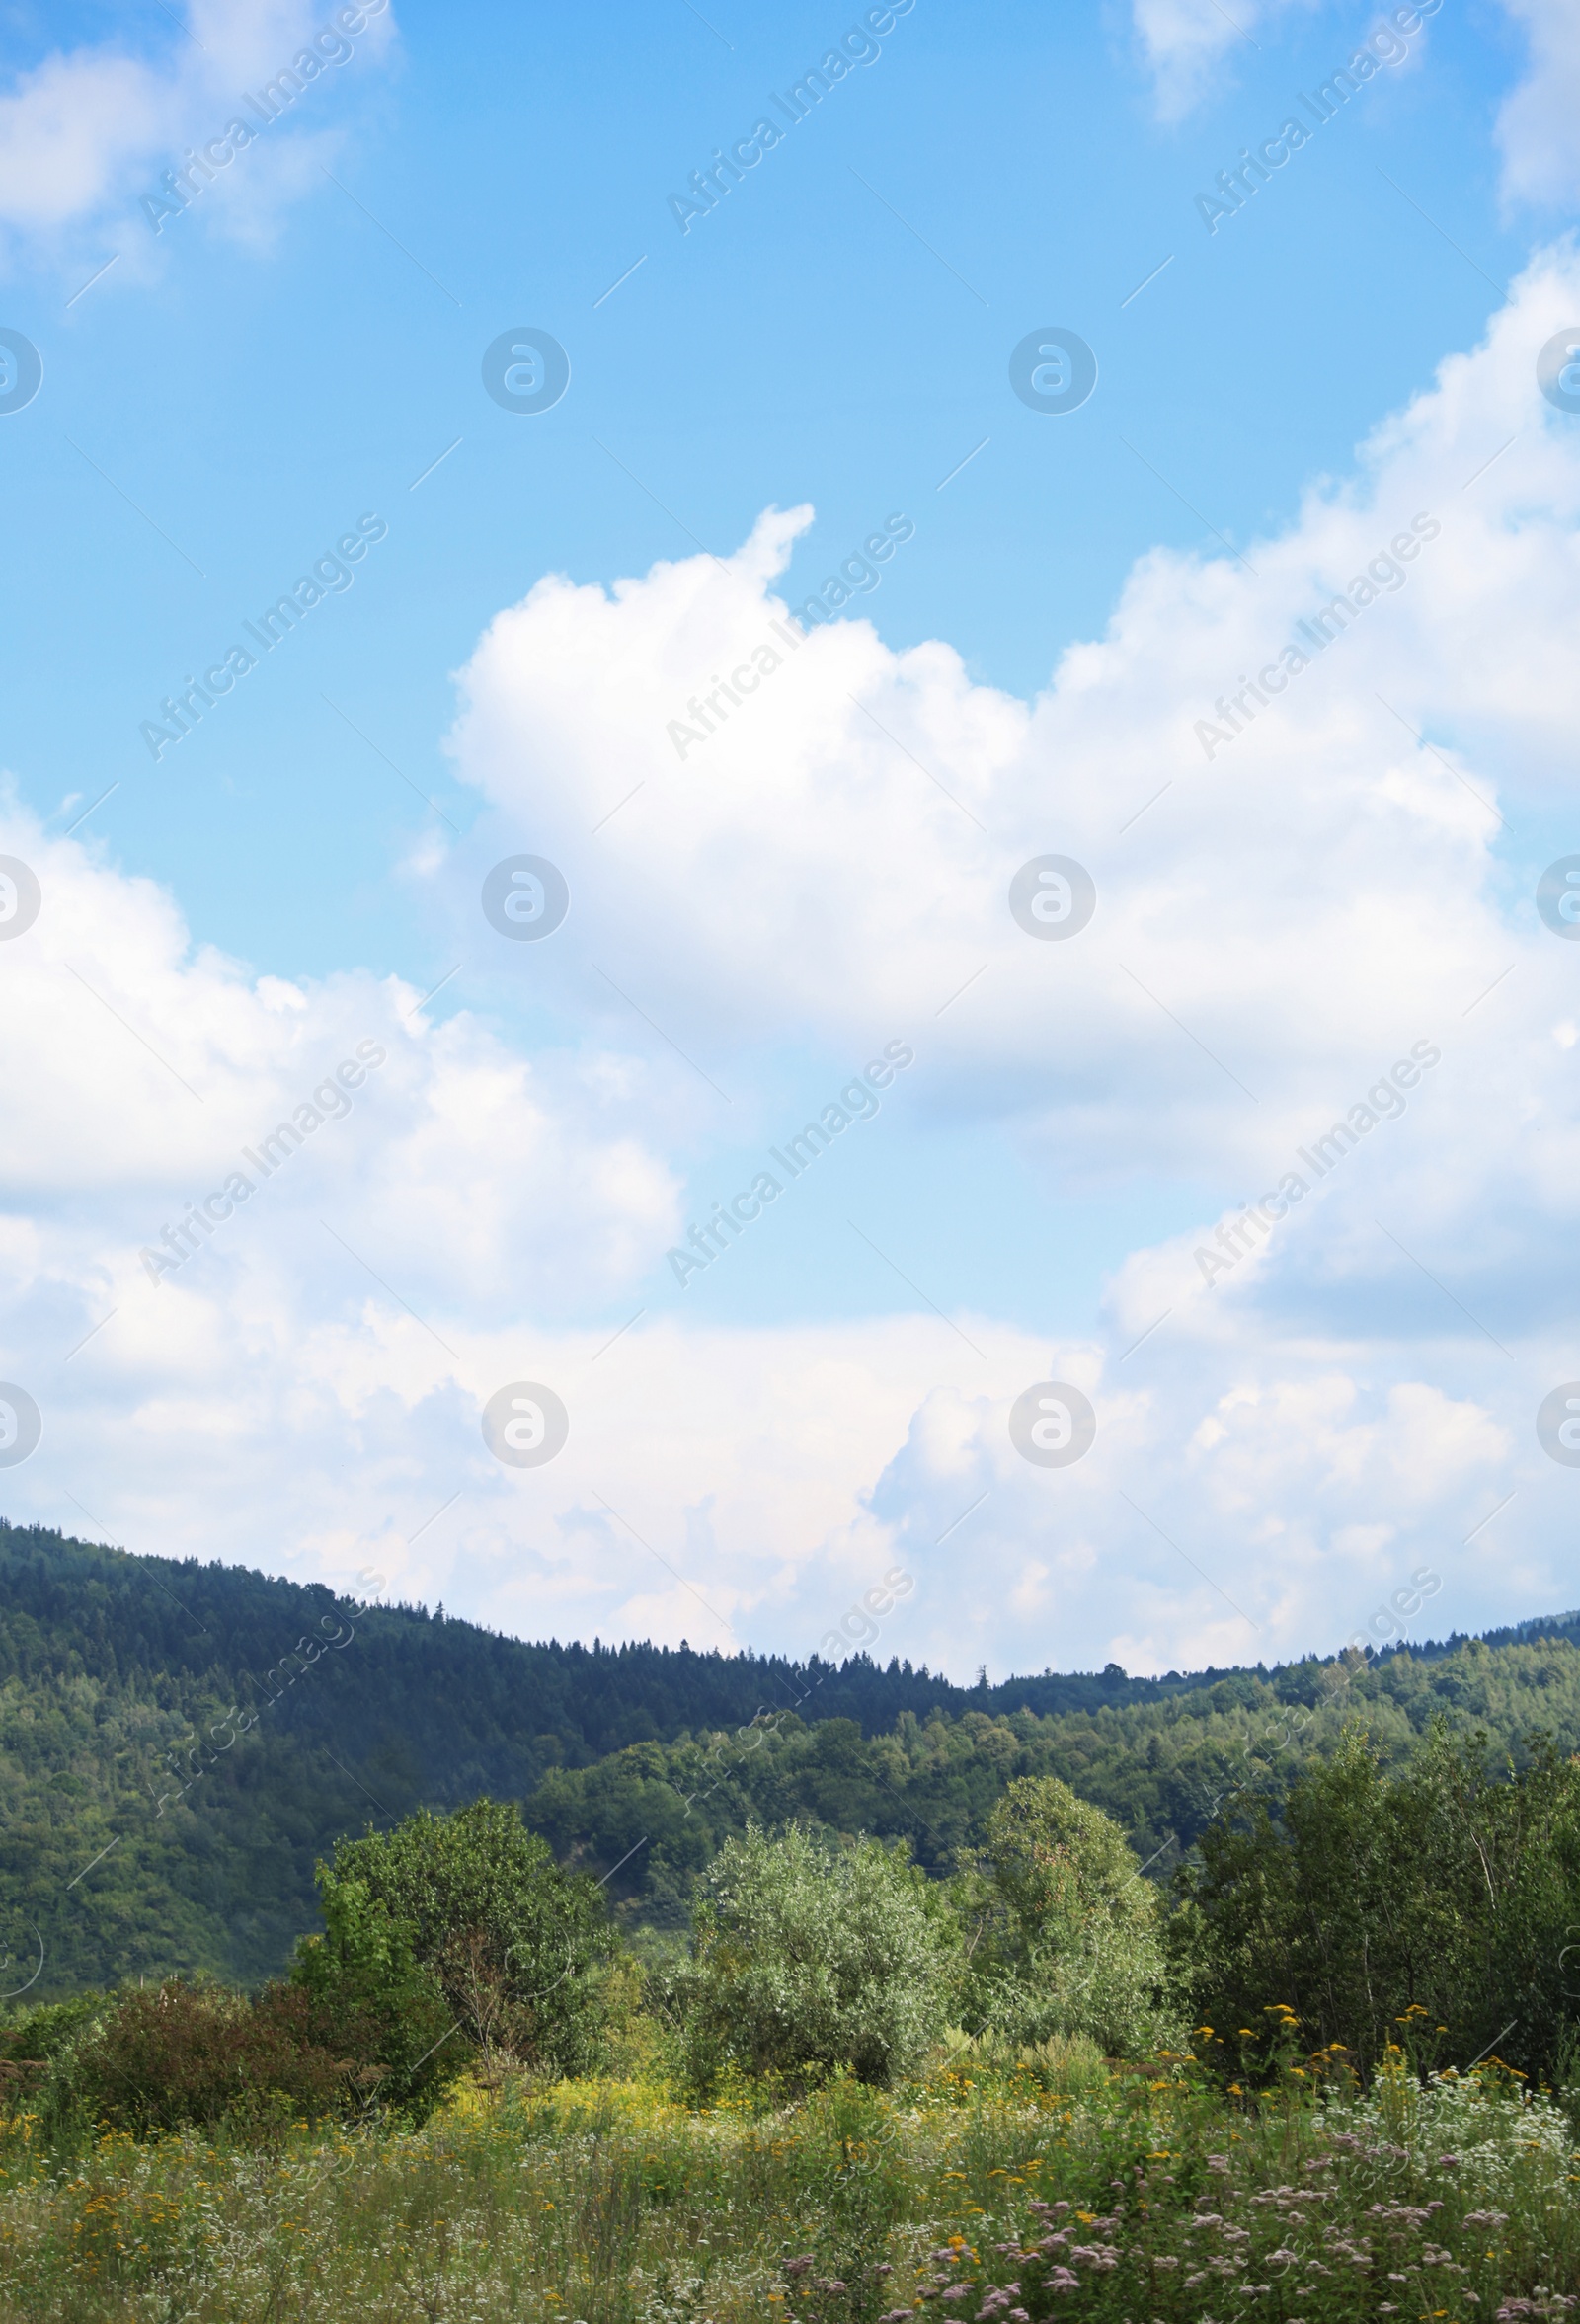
(1190, 46)
(1296, 905)
(1536, 123)
(1184, 42)
(87, 132)
(1278, 1450)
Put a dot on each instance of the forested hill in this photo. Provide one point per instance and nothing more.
(107, 1613)
(648, 1819)
(112, 1664)
(179, 1741)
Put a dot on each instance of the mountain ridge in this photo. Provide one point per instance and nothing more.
(179, 1741)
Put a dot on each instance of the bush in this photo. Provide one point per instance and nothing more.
(471, 1910)
(806, 1961)
(1064, 1935)
(38, 2064)
(199, 2054)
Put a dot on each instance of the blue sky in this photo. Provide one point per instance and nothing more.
(301, 349)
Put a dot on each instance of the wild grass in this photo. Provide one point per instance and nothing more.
(972, 2192)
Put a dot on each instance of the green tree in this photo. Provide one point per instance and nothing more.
(1444, 1898)
(516, 1947)
(367, 1989)
(1064, 1932)
(807, 1961)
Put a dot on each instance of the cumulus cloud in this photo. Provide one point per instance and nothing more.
(1290, 884)
(1297, 1412)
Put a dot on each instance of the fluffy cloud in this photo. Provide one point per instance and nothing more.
(87, 132)
(1288, 888)
(1285, 916)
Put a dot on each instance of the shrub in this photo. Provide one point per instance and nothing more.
(806, 1961)
(38, 2064)
(201, 2054)
(475, 1905)
(1064, 1932)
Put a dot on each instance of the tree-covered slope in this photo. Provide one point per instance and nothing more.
(648, 1818)
(179, 1741)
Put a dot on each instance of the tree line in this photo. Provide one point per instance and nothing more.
(1425, 1914)
(181, 1743)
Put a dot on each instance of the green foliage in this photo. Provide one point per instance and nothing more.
(1431, 1908)
(515, 1948)
(1065, 1930)
(363, 1977)
(199, 2054)
(38, 2049)
(807, 1961)
(1161, 1767)
(179, 1743)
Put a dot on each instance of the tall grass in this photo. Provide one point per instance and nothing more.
(605, 2203)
